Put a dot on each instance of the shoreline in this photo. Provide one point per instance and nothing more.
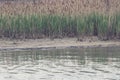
(46, 43)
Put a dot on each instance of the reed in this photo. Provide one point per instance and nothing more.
(53, 26)
(116, 25)
(72, 7)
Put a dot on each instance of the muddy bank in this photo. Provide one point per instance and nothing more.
(53, 44)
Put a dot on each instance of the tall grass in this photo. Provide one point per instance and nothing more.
(39, 26)
(72, 7)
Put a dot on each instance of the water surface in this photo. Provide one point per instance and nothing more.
(61, 64)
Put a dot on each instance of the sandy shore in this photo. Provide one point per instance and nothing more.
(56, 43)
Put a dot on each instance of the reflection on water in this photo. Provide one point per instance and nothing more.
(61, 64)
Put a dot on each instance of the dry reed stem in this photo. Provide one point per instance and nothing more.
(63, 7)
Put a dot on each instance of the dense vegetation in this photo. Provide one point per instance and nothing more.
(39, 26)
(62, 7)
(62, 18)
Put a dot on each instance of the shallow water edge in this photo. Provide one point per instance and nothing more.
(44, 44)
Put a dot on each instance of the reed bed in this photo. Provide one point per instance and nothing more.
(59, 26)
(63, 7)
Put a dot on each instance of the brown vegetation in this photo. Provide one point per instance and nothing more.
(69, 7)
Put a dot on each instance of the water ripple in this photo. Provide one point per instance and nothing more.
(97, 64)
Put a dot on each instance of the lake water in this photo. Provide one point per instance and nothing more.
(61, 64)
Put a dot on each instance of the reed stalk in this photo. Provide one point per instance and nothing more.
(53, 26)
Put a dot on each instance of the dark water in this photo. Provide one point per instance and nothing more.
(61, 64)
